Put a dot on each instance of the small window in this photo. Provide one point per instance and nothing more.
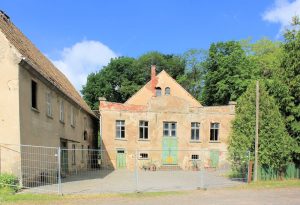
(49, 104)
(61, 111)
(195, 157)
(158, 91)
(169, 129)
(143, 155)
(120, 129)
(85, 135)
(167, 91)
(34, 94)
(195, 131)
(72, 116)
(73, 154)
(214, 131)
(143, 130)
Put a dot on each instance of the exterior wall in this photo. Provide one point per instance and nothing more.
(9, 107)
(159, 110)
(37, 128)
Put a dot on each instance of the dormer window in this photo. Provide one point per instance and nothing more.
(167, 91)
(158, 91)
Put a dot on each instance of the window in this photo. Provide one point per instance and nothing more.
(143, 156)
(34, 94)
(73, 154)
(85, 135)
(72, 117)
(195, 131)
(167, 91)
(169, 129)
(82, 153)
(214, 131)
(144, 130)
(49, 104)
(158, 91)
(195, 156)
(120, 129)
(61, 111)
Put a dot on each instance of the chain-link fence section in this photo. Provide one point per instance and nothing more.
(72, 171)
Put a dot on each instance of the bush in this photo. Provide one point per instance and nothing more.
(9, 181)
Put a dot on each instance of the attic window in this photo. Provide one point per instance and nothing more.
(167, 91)
(158, 91)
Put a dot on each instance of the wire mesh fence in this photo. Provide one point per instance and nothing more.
(55, 169)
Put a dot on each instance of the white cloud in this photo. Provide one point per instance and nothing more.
(84, 57)
(282, 12)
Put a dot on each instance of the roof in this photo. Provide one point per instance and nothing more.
(40, 62)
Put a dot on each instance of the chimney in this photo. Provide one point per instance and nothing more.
(153, 79)
(153, 72)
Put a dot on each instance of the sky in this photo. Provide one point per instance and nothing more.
(81, 37)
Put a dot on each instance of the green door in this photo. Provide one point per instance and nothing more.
(121, 159)
(214, 158)
(170, 151)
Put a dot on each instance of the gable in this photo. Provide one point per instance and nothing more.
(162, 80)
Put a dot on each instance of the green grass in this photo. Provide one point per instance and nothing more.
(271, 184)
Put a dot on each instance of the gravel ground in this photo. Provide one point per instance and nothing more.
(212, 196)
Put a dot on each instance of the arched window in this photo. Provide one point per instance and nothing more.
(167, 91)
(158, 91)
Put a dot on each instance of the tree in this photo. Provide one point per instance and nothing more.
(124, 76)
(228, 73)
(290, 75)
(193, 78)
(275, 145)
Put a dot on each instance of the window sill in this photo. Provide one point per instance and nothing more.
(195, 141)
(35, 110)
(73, 126)
(120, 139)
(62, 122)
(144, 140)
(214, 142)
(143, 158)
(49, 116)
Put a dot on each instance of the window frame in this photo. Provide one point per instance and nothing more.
(143, 158)
(214, 134)
(119, 125)
(195, 130)
(156, 91)
(61, 111)
(169, 91)
(49, 111)
(72, 116)
(169, 129)
(145, 129)
(197, 158)
(34, 95)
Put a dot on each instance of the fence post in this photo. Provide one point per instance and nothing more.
(136, 171)
(59, 170)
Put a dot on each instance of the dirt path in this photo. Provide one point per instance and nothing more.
(224, 197)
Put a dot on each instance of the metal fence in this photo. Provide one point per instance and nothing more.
(72, 171)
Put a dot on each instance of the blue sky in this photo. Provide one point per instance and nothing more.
(81, 36)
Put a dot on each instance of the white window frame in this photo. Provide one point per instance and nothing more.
(145, 129)
(61, 111)
(195, 126)
(49, 104)
(167, 91)
(192, 157)
(170, 129)
(120, 127)
(215, 131)
(143, 158)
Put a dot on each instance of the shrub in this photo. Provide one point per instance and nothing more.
(9, 181)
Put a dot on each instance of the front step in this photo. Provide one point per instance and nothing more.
(170, 168)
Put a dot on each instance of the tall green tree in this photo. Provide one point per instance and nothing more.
(290, 75)
(228, 73)
(275, 145)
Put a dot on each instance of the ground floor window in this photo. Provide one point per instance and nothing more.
(143, 155)
(195, 156)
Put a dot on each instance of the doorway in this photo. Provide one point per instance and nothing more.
(121, 158)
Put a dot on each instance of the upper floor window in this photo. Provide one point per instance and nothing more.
(143, 130)
(49, 104)
(214, 131)
(120, 129)
(72, 116)
(61, 111)
(195, 131)
(158, 91)
(167, 91)
(169, 129)
(34, 95)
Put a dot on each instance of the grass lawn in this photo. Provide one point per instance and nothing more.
(8, 196)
